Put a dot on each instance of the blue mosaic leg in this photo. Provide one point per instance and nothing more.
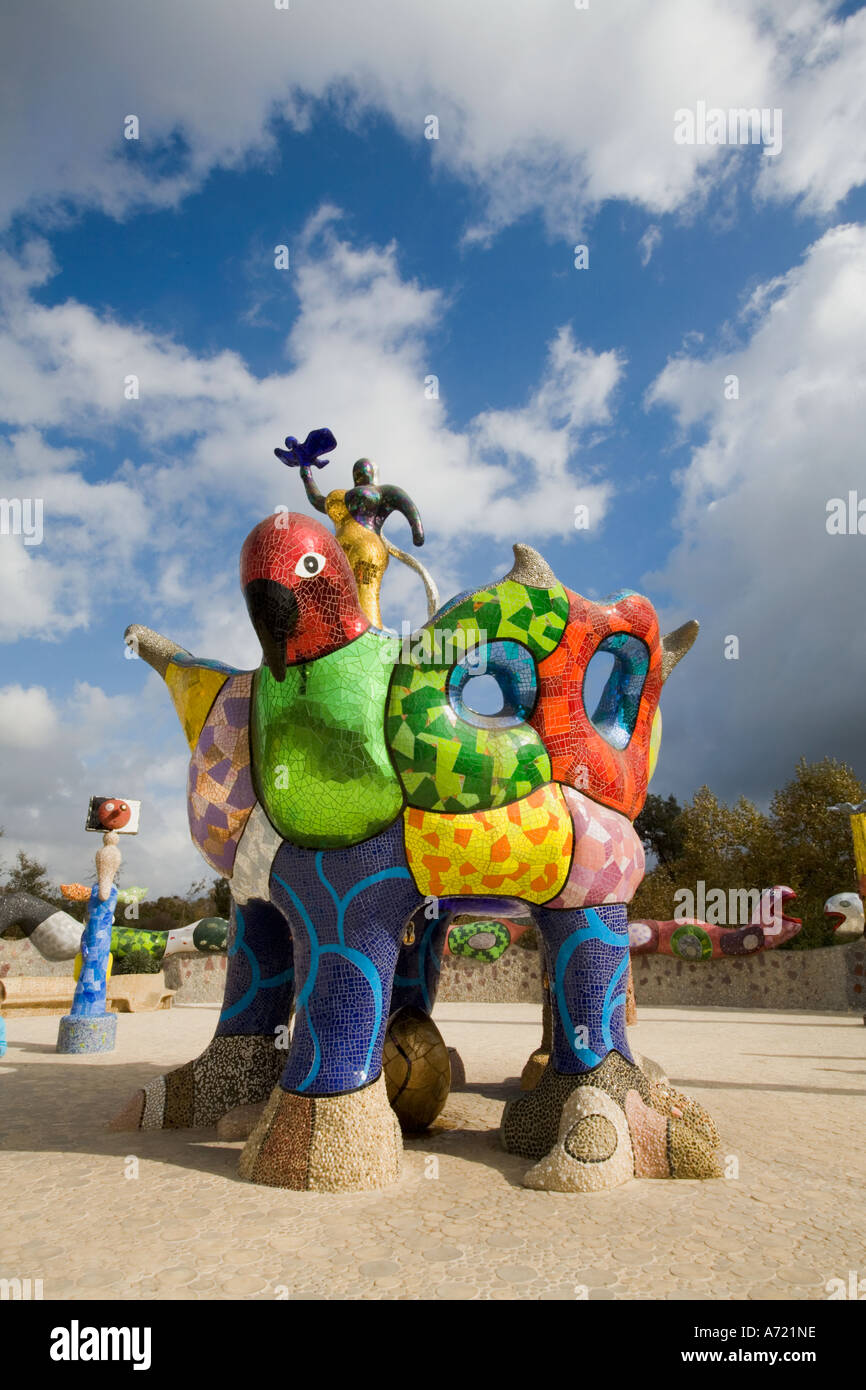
(243, 1061)
(259, 976)
(347, 909)
(588, 957)
(416, 980)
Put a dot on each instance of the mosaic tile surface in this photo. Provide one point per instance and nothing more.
(416, 978)
(321, 765)
(194, 686)
(299, 591)
(580, 755)
(220, 788)
(260, 974)
(523, 849)
(448, 758)
(589, 957)
(347, 909)
(608, 860)
(258, 844)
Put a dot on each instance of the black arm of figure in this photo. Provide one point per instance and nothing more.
(394, 499)
(313, 494)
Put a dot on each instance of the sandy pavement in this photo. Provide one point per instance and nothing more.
(95, 1214)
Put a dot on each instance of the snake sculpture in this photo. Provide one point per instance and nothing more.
(56, 934)
(688, 938)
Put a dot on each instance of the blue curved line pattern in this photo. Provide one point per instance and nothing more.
(331, 889)
(282, 979)
(348, 953)
(314, 942)
(301, 1001)
(359, 887)
(610, 1004)
(237, 934)
(317, 1054)
(595, 930)
(425, 945)
(250, 992)
(371, 975)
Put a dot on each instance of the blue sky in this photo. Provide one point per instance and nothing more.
(413, 256)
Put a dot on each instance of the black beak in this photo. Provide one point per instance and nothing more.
(273, 610)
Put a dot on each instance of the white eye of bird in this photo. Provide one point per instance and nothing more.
(310, 564)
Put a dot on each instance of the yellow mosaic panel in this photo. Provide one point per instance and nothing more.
(858, 830)
(655, 744)
(521, 850)
(193, 690)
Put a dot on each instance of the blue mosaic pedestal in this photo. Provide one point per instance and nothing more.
(87, 1034)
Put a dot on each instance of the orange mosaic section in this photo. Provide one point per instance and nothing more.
(521, 850)
(579, 756)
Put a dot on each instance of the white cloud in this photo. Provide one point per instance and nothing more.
(648, 243)
(755, 559)
(540, 106)
(58, 754)
(27, 717)
(357, 357)
(824, 104)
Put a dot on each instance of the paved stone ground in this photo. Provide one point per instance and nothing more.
(787, 1090)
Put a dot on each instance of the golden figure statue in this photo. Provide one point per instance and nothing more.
(358, 515)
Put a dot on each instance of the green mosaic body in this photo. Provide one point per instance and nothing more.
(127, 940)
(447, 763)
(320, 763)
(511, 611)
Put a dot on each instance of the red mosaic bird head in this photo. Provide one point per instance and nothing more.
(299, 590)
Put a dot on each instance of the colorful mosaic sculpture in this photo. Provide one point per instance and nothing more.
(367, 803)
(89, 1027)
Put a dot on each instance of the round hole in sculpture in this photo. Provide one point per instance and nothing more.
(483, 695)
(494, 685)
(616, 711)
(598, 673)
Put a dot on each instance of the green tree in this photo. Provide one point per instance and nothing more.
(812, 845)
(660, 829)
(222, 898)
(136, 963)
(29, 876)
(799, 843)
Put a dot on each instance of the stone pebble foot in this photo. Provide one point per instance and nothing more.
(344, 1143)
(231, 1072)
(240, 1122)
(593, 1151)
(532, 1071)
(651, 1069)
(642, 1129)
